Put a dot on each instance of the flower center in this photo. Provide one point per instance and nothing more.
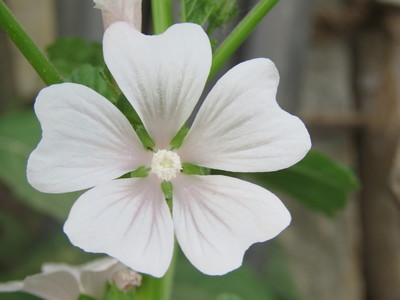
(166, 164)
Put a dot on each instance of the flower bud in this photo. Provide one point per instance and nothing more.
(126, 279)
(129, 11)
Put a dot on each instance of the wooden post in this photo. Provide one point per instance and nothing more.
(378, 88)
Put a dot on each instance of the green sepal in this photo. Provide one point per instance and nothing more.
(126, 108)
(166, 187)
(144, 137)
(85, 297)
(106, 75)
(91, 76)
(190, 169)
(179, 137)
(140, 172)
(112, 292)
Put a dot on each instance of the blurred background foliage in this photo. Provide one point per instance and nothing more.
(324, 254)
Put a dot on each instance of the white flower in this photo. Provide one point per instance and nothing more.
(87, 142)
(65, 282)
(120, 10)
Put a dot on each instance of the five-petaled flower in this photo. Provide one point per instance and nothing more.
(88, 143)
(60, 281)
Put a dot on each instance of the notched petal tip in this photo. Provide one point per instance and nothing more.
(241, 126)
(162, 75)
(86, 141)
(217, 218)
(127, 219)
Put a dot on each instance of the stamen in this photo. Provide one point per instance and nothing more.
(166, 164)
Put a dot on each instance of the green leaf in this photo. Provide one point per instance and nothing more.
(210, 14)
(68, 54)
(224, 11)
(19, 134)
(196, 11)
(90, 76)
(114, 293)
(317, 181)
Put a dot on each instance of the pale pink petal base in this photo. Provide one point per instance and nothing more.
(241, 128)
(217, 218)
(128, 219)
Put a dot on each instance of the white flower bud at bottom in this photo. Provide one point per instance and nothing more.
(126, 279)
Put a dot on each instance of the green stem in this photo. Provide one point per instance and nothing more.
(240, 33)
(32, 53)
(162, 15)
(158, 288)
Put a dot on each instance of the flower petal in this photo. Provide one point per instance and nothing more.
(56, 267)
(217, 218)
(92, 275)
(86, 141)
(12, 286)
(58, 285)
(162, 76)
(128, 219)
(241, 128)
(95, 275)
(99, 265)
